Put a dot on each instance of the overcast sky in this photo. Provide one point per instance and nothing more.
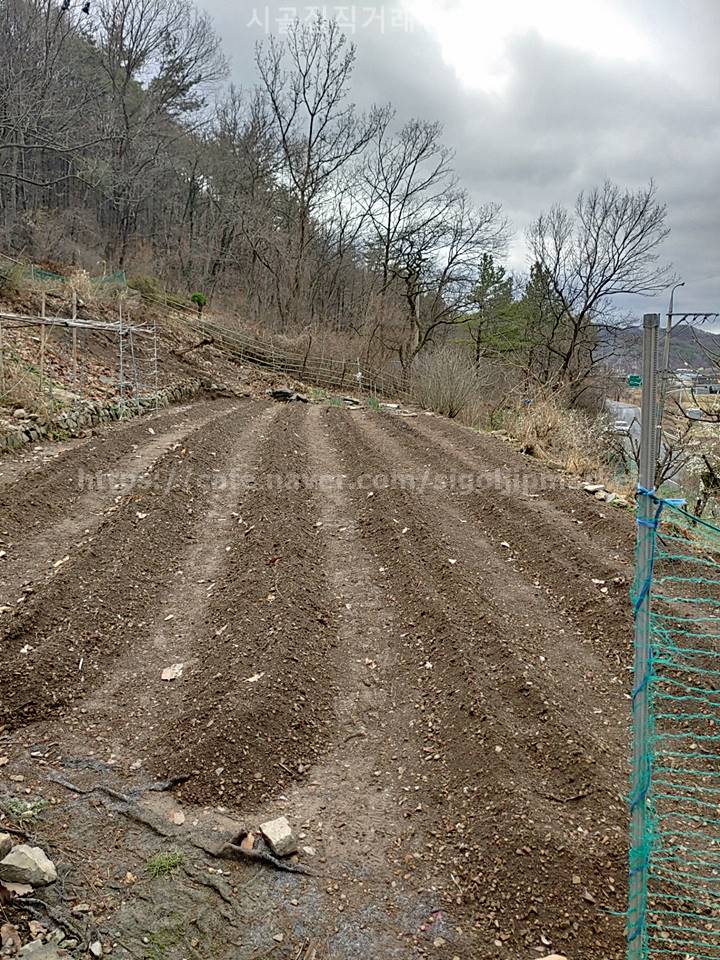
(542, 98)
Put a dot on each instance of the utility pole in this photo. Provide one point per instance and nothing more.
(665, 368)
(641, 770)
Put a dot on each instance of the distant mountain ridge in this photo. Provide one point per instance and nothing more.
(690, 347)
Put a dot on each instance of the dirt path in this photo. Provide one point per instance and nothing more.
(406, 638)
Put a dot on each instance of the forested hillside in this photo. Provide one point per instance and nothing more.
(123, 146)
(120, 142)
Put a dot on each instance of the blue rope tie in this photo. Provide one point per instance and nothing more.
(652, 523)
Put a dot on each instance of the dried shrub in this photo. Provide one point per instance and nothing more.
(446, 381)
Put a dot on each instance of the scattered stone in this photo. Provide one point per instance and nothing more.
(173, 672)
(9, 938)
(279, 836)
(82, 908)
(20, 413)
(19, 889)
(5, 845)
(593, 487)
(95, 948)
(178, 818)
(25, 864)
(600, 495)
(38, 950)
(37, 930)
(278, 938)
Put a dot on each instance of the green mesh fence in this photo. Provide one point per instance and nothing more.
(118, 277)
(675, 908)
(46, 276)
(38, 274)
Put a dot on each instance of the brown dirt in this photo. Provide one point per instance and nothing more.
(406, 637)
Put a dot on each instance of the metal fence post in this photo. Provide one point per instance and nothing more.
(121, 362)
(74, 340)
(2, 363)
(641, 765)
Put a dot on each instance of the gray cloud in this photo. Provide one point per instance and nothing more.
(565, 121)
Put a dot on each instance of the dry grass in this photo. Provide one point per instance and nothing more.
(547, 428)
(20, 386)
(11, 276)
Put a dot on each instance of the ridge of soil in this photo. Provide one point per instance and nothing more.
(409, 639)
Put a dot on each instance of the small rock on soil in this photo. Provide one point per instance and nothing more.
(25, 864)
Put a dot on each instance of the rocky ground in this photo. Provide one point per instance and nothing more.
(408, 639)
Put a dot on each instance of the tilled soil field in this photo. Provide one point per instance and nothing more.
(407, 638)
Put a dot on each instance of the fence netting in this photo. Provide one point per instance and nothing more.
(675, 911)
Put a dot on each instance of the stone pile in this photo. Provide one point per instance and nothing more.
(30, 428)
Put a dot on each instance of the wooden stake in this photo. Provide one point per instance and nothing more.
(74, 340)
(42, 340)
(2, 364)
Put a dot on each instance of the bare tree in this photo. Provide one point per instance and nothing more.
(609, 246)
(41, 91)
(158, 58)
(306, 78)
(408, 183)
(426, 239)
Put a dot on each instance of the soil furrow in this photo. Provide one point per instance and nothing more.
(260, 712)
(397, 633)
(58, 643)
(567, 558)
(57, 508)
(384, 901)
(493, 816)
(491, 571)
(553, 500)
(13, 467)
(134, 707)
